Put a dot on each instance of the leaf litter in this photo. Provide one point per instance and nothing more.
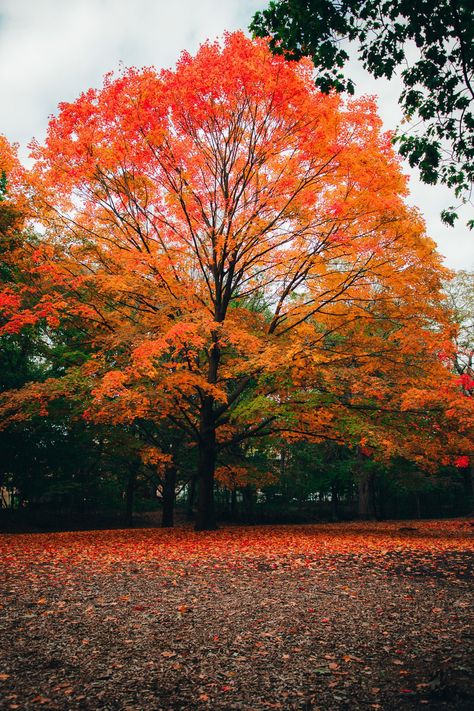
(336, 616)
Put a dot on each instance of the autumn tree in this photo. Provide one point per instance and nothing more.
(222, 228)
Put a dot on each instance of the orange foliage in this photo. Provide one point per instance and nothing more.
(238, 247)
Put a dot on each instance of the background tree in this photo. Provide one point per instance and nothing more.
(460, 298)
(438, 86)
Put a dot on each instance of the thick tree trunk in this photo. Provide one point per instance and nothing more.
(205, 515)
(169, 494)
(248, 495)
(366, 485)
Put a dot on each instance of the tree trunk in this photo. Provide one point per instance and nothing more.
(169, 494)
(205, 515)
(248, 495)
(366, 495)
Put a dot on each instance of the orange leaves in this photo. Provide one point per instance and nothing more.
(180, 338)
(223, 229)
(156, 457)
(233, 476)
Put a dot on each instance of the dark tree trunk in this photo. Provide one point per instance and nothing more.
(129, 495)
(248, 496)
(366, 484)
(205, 515)
(169, 494)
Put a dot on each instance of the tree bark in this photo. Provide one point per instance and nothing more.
(248, 495)
(169, 494)
(205, 515)
(366, 482)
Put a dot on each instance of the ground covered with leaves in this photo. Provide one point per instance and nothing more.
(342, 616)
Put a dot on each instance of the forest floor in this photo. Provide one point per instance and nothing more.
(337, 616)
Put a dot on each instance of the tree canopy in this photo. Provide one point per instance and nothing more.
(234, 247)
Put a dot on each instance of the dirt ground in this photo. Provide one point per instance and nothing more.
(339, 616)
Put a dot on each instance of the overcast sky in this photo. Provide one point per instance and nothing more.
(52, 50)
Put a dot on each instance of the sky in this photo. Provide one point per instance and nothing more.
(52, 50)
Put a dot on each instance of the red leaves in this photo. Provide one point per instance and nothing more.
(224, 618)
(288, 546)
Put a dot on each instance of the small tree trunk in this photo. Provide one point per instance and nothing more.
(169, 495)
(248, 495)
(366, 495)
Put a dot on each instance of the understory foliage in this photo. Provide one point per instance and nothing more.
(226, 272)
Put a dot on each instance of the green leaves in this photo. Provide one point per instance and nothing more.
(438, 92)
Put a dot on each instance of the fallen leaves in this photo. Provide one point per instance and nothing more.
(244, 618)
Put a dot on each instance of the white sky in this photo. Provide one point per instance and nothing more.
(52, 50)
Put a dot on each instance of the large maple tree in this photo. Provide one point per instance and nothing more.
(230, 237)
